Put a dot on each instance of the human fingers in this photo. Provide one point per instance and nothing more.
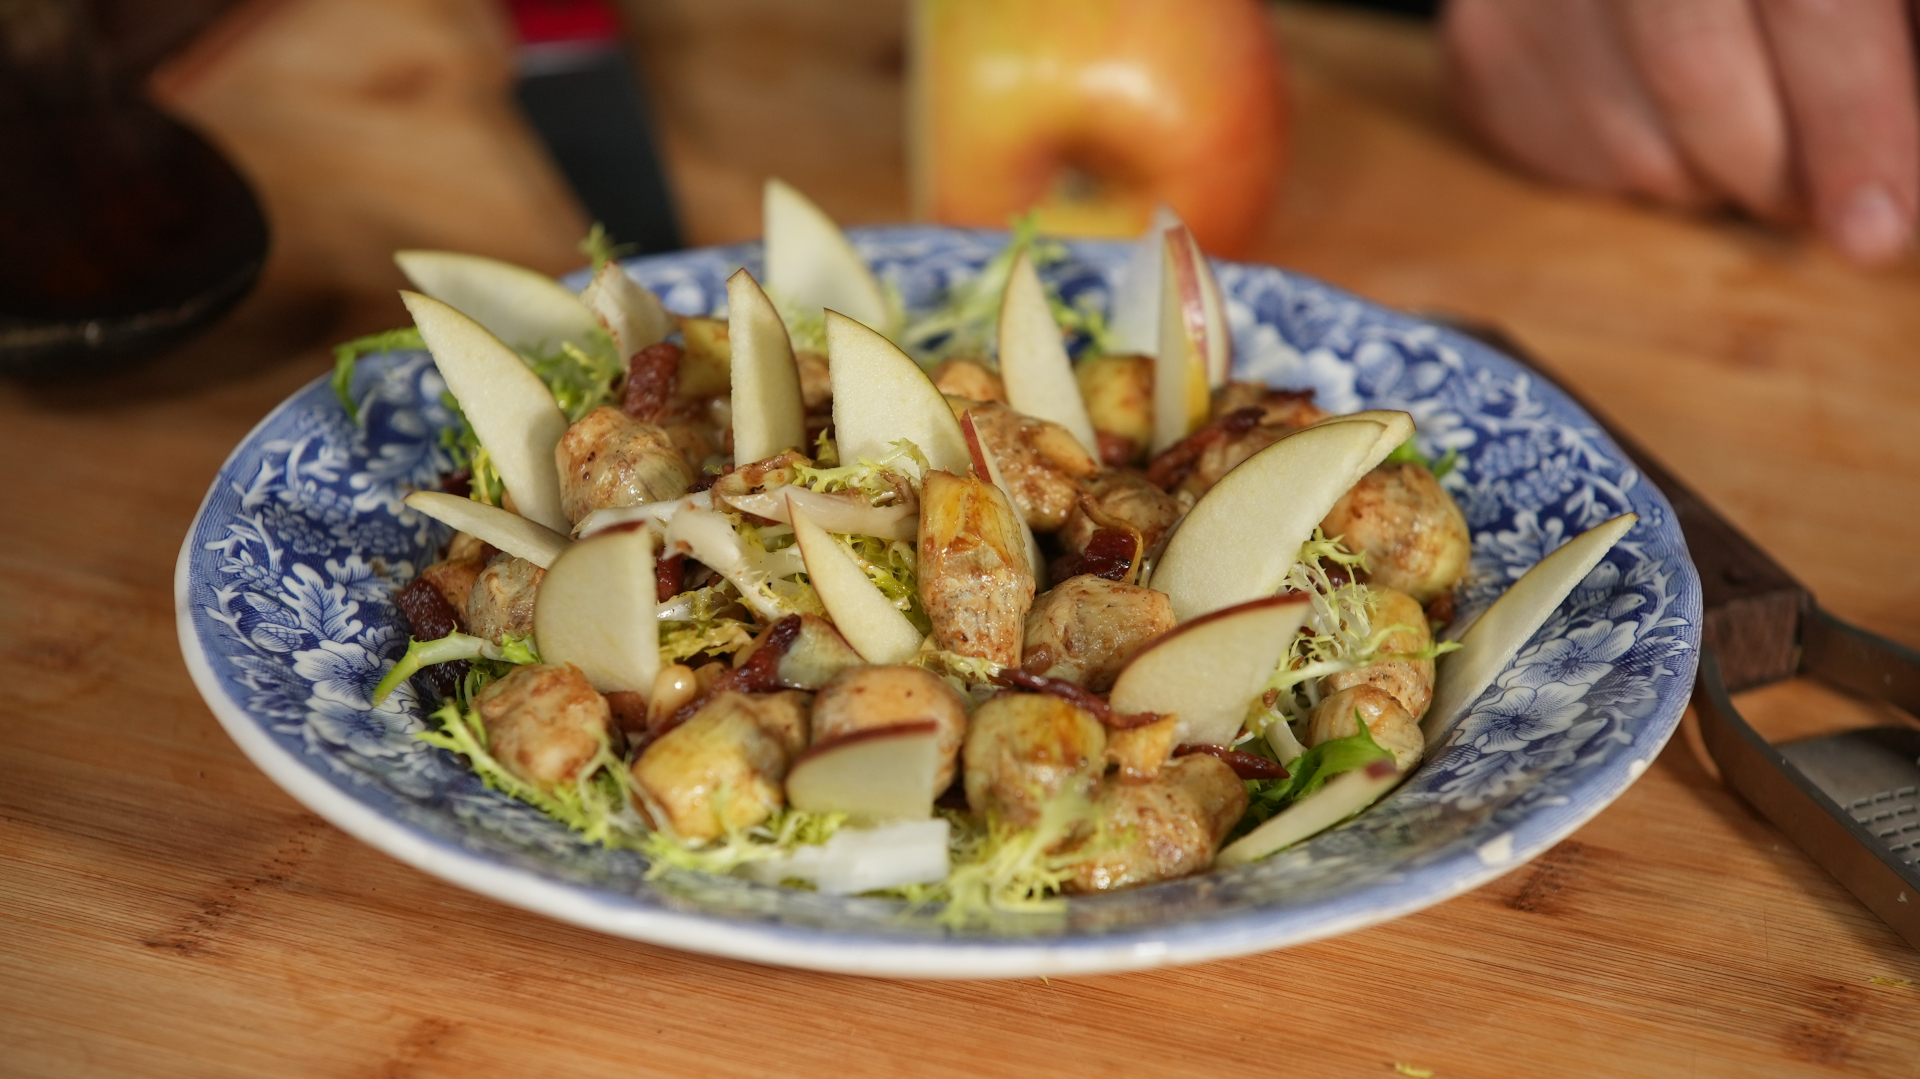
(1846, 71)
(1553, 87)
(1706, 64)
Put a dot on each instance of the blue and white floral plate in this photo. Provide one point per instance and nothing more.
(285, 600)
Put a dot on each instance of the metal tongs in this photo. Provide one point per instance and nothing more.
(1851, 801)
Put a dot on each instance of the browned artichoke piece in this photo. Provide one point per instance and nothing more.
(611, 459)
(1408, 526)
(724, 768)
(544, 722)
(1124, 495)
(501, 601)
(1025, 749)
(1389, 724)
(1040, 460)
(974, 579)
(1160, 830)
(1409, 680)
(1086, 628)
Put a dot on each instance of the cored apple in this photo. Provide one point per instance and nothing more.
(1244, 534)
(1033, 357)
(1494, 638)
(875, 775)
(1094, 111)
(810, 262)
(492, 525)
(528, 310)
(630, 314)
(595, 611)
(881, 396)
(511, 411)
(1209, 671)
(768, 415)
(861, 612)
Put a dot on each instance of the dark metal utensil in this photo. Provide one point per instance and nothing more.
(1851, 801)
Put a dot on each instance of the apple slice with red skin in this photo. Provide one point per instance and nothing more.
(1241, 538)
(492, 525)
(526, 309)
(511, 411)
(810, 262)
(1505, 627)
(1033, 358)
(1196, 346)
(768, 415)
(881, 396)
(630, 314)
(1343, 796)
(860, 611)
(1208, 671)
(874, 776)
(595, 610)
(1396, 428)
(984, 465)
(1136, 302)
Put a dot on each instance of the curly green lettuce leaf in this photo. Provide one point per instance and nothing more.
(783, 832)
(600, 248)
(706, 627)
(877, 479)
(347, 354)
(1001, 868)
(514, 649)
(894, 567)
(1408, 453)
(582, 377)
(967, 321)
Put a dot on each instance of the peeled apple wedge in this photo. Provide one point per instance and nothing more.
(768, 415)
(503, 529)
(511, 410)
(1196, 346)
(874, 776)
(811, 262)
(595, 611)
(527, 310)
(1242, 537)
(1136, 303)
(985, 465)
(1208, 671)
(1505, 627)
(860, 611)
(880, 396)
(630, 314)
(1343, 796)
(1033, 358)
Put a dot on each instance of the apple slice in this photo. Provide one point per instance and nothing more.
(1136, 301)
(630, 314)
(1209, 670)
(1396, 428)
(856, 860)
(1196, 347)
(846, 512)
(1494, 638)
(860, 611)
(1242, 537)
(504, 529)
(512, 412)
(880, 396)
(529, 311)
(984, 464)
(1343, 796)
(595, 611)
(873, 776)
(768, 415)
(812, 263)
(1033, 358)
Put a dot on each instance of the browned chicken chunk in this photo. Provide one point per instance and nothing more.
(611, 459)
(1041, 461)
(1409, 680)
(1024, 749)
(974, 579)
(501, 601)
(866, 698)
(1390, 725)
(723, 769)
(1409, 528)
(545, 723)
(1161, 830)
(1086, 628)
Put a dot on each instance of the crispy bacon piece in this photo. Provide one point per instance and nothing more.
(1110, 553)
(669, 576)
(429, 618)
(1092, 703)
(1441, 610)
(706, 481)
(1178, 460)
(629, 712)
(1115, 450)
(458, 484)
(759, 674)
(1244, 765)
(653, 374)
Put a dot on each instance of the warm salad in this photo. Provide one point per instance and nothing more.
(821, 594)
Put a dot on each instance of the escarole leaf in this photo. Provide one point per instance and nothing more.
(1307, 774)
(785, 831)
(347, 354)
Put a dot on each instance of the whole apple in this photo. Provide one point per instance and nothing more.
(1093, 111)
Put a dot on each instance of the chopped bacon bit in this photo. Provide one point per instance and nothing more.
(1244, 765)
(1442, 610)
(759, 674)
(1178, 460)
(1014, 678)
(458, 484)
(1115, 450)
(707, 481)
(669, 575)
(430, 617)
(1131, 720)
(629, 711)
(1380, 769)
(653, 374)
(1110, 553)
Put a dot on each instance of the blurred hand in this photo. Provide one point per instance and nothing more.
(1799, 111)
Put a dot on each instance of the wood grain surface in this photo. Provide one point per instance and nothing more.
(166, 911)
